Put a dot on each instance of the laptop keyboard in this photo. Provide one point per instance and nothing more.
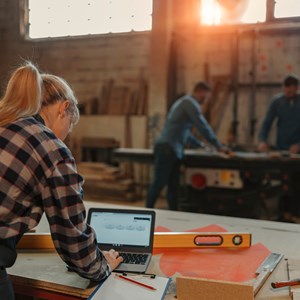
(136, 258)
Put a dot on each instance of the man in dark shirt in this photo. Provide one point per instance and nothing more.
(285, 109)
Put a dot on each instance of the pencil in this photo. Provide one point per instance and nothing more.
(136, 282)
(280, 284)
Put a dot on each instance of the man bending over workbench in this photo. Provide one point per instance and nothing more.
(184, 114)
(285, 108)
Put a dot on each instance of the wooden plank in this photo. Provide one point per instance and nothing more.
(127, 103)
(134, 103)
(44, 271)
(142, 97)
(189, 288)
(36, 241)
(40, 289)
(296, 294)
(116, 100)
(294, 272)
(104, 97)
(99, 142)
(219, 100)
(107, 182)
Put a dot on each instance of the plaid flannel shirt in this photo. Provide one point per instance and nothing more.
(38, 174)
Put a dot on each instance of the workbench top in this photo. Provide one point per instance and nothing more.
(277, 237)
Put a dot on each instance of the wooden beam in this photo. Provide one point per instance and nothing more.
(41, 241)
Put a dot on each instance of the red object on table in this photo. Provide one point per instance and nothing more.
(281, 284)
(229, 264)
(136, 282)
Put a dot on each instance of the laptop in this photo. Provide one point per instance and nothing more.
(128, 231)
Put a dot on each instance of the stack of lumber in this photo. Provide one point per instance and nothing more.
(120, 99)
(106, 182)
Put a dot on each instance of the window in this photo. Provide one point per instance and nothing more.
(217, 12)
(287, 8)
(254, 11)
(69, 17)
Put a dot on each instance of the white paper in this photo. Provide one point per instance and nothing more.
(118, 288)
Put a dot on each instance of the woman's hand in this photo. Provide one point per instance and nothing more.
(113, 258)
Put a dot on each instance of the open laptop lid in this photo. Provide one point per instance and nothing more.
(127, 230)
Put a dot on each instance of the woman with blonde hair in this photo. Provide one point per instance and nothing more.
(59, 106)
(38, 174)
(23, 94)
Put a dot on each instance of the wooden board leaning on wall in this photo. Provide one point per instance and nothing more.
(119, 99)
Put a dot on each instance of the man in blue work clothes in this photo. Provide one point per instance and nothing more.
(285, 108)
(184, 114)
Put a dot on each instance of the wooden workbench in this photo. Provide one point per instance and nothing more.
(212, 159)
(45, 275)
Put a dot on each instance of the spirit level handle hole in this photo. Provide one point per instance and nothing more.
(208, 240)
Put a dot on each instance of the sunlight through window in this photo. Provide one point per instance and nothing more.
(210, 13)
(68, 17)
(214, 12)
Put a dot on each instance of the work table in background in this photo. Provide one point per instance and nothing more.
(242, 184)
(213, 159)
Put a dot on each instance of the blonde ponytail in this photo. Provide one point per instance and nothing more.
(23, 94)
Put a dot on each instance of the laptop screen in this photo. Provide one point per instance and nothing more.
(122, 228)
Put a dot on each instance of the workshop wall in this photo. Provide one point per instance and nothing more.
(230, 59)
(86, 62)
(97, 67)
(245, 67)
